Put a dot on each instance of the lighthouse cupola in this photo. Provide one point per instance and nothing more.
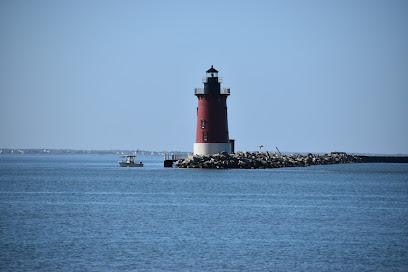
(212, 72)
(212, 123)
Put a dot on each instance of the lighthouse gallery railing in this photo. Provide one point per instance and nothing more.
(222, 91)
(205, 79)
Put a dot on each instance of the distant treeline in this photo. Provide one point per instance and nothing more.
(87, 152)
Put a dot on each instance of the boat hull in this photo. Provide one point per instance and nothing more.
(130, 164)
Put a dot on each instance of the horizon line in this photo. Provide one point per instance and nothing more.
(179, 151)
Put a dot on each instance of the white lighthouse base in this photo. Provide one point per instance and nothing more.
(211, 148)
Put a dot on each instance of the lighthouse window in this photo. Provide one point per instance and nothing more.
(212, 74)
(205, 136)
(203, 122)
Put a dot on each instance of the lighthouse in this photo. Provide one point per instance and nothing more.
(212, 116)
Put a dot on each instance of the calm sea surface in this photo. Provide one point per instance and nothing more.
(85, 213)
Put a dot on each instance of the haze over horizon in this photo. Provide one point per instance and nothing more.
(305, 76)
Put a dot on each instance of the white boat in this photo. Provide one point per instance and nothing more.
(130, 162)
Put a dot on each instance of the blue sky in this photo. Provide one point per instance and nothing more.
(305, 76)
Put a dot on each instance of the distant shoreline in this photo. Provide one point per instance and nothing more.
(37, 151)
(118, 152)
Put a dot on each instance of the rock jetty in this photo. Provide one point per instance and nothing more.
(261, 160)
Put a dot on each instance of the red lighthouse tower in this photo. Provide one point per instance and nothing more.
(212, 123)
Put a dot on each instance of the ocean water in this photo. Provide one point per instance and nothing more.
(85, 213)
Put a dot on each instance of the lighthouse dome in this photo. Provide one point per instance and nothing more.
(212, 72)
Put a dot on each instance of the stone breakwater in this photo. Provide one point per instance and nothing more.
(258, 160)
